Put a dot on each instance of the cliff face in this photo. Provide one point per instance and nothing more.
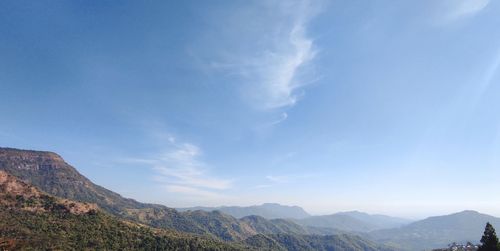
(30, 160)
(38, 202)
(49, 172)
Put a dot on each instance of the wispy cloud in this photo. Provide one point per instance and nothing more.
(279, 179)
(457, 9)
(288, 177)
(275, 67)
(282, 117)
(277, 80)
(197, 193)
(179, 169)
(262, 186)
(273, 180)
(181, 165)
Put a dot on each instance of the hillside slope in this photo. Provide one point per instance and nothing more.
(353, 221)
(56, 177)
(49, 172)
(266, 210)
(313, 243)
(438, 231)
(378, 220)
(340, 222)
(53, 175)
(31, 219)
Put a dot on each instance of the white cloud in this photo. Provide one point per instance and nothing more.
(193, 192)
(262, 186)
(456, 9)
(179, 169)
(180, 165)
(275, 180)
(282, 118)
(278, 179)
(278, 52)
(289, 178)
(276, 81)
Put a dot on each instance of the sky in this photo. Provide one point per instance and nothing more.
(378, 106)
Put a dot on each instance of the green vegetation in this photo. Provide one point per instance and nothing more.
(49, 172)
(266, 210)
(30, 219)
(275, 226)
(102, 219)
(435, 232)
(294, 242)
(63, 231)
(489, 241)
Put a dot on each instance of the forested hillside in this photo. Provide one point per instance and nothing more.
(31, 219)
(127, 223)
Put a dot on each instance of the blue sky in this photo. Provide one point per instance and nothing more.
(379, 106)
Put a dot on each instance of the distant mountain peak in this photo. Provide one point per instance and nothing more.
(438, 231)
(271, 204)
(266, 210)
(469, 212)
(27, 171)
(65, 181)
(354, 212)
(268, 204)
(276, 204)
(354, 221)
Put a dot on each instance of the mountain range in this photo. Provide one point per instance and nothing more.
(353, 221)
(51, 175)
(266, 210)
(47, 203)
(437, 231)
(34, 220)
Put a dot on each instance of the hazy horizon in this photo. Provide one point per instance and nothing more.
(416, 217)
(379, 106)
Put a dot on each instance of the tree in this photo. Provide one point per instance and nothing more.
(489, 241)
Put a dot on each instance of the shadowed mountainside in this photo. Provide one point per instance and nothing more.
(378, 220)
(33, 220)
(49, 172)
(353, 221)
(313, 242)
(52, 174)
(266, 210)
(437, 231)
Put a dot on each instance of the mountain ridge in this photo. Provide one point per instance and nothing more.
(436, 231)
(31, 219)
(49, 172)
(353, 221)
(266, 210)
(52, 175)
